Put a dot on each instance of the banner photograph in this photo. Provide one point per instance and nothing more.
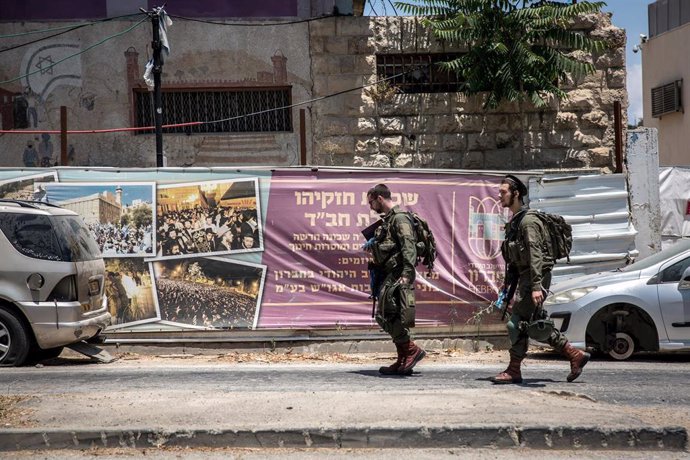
(218, 217)
(119, 215)
(31, 188)
(129, 289)
(209, 292)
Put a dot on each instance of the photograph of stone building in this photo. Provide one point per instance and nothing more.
(121, 216)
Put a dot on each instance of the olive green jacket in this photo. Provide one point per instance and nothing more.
(526, 250)
(395, 248)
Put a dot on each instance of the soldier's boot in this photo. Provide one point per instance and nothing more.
(412, 354)
(393, 368)
(512, 374)
(578, 360)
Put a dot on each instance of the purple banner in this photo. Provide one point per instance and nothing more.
(317, 273)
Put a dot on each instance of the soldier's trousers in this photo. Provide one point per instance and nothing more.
(388, 315)
(523, 310)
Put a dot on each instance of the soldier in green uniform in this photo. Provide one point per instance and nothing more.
(395, 253)
(526, 253)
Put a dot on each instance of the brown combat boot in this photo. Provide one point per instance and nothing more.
(412, 354)
(512, 374)
(393, 368)
(578, 360)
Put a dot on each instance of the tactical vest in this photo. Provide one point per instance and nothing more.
(515, 249)
(386, 252)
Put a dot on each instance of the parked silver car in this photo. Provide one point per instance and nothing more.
(52, 280)
(642, 307)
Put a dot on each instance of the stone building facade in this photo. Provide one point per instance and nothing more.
(220, 71)
(447, 130)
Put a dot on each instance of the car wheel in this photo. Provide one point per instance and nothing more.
(623, 346)
(14, 340)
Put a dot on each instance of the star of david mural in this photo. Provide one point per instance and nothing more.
(47, 62)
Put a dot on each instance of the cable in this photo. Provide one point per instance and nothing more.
(245, 24)
(71, 27)
(60, 33)
(198, 123)
(39, 39)
(76, 54)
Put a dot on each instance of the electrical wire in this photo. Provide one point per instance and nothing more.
(71, 27)
(223, 120)
(60, 33)
(43, 69)
(4, 50)
(247, 24)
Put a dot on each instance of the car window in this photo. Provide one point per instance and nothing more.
(76, 242)
(31, 235)
(673, 273)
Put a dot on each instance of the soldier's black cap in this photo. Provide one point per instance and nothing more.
(521, 188)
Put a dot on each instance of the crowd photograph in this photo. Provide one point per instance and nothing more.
(209, 292)
(219, 217)
(121, 217)
(129, 289)
(29, 188)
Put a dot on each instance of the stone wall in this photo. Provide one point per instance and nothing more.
(447, 130)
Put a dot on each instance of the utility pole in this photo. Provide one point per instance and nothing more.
(154, 14)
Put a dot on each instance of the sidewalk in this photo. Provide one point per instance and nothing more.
(214, 416)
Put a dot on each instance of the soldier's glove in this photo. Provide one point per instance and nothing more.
(369, 244)
(500, 303)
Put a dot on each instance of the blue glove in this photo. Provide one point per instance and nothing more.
(501, 299)
(369, 244)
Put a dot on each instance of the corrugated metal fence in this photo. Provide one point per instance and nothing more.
(597, 208)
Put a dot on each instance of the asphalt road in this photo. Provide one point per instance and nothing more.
(631, 383)
(208, 395)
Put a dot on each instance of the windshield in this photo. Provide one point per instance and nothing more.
(57, 238)
(680, 246)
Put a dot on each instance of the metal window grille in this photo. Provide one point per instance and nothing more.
(667, 99)
(189, 105)
(420, 72)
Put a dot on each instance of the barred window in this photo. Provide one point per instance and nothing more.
(667, 99)
(420, 72)
(189, 105)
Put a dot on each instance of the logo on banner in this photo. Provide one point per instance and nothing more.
(486, 225)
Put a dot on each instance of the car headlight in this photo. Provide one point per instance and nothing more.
(568, 296)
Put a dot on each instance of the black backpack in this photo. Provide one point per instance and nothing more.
(426, 243)
(561, 234)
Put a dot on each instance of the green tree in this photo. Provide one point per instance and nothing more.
(141, 216)
(516, 50)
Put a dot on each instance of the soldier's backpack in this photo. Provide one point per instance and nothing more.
(561, 234)
(426, 244)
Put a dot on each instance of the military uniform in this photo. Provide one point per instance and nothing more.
(395, 253)
(526, 251)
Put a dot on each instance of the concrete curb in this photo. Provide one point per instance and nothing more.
(557, 438)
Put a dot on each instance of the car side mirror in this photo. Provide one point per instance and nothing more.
(685, 280)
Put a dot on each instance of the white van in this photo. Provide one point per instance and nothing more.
(52, 281)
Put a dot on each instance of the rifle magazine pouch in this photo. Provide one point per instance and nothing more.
(407, 306)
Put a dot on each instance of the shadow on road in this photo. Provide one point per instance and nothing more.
(375, 373)
(643, 357)
(527, 383)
